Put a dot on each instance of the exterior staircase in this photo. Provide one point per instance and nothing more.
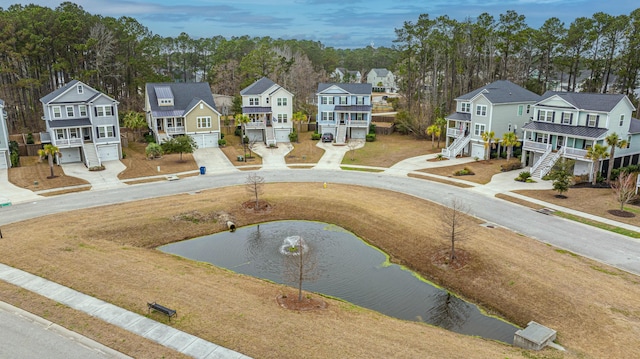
(544, 165)
(341, 137)
(91, 158)
(270, 134)
(456, 147)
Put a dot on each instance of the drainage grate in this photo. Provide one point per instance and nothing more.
(546, 211)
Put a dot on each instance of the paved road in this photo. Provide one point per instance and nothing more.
(617, 250)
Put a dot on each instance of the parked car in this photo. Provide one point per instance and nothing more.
(327, 137)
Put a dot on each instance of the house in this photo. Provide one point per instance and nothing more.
(566, 124)
(340, 74)
(269, 107)
(501, 107)
(382, 80)
(5, 155)
(83, 123)
(176, 109)
(344, 110)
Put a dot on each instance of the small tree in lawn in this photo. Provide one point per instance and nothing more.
(509, 139)
(624, 188)
(49, 151)
(434, 131)
(300, 263)
(180, 144)
(352, 145)
(595, 153)
(298, 118)
(153, 150)
(255, 186)
(243, 119)
(561, 176)
(442, 125)
(136, 122)
(454, 224)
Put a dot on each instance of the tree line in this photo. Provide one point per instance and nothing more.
(435, 59)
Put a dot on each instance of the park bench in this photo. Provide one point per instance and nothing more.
(162, 309)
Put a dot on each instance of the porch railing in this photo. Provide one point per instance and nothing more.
(358, 123)
(59, 142)
(575, 153)
(173, 130)
(255, 125)
(535, 146)
(453, 132)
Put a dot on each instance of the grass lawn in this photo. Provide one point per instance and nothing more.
(483, 170)
(234, 148)
(108, 252)
(32, 175)
(138, 165)
(388, 150)
(305, 150)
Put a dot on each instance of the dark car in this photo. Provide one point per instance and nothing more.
(327, 137)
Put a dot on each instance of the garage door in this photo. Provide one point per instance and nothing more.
(206, 140)
(3, 160)
(70, 155)
(108, 152)
(255, 135)
(282, 135)
(358, 133)
(477, 150)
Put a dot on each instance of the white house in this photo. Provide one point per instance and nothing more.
(501, 106)
(270, 108)
(83, 123)
(340, 74)
(382, 80)
(5, 158)
(344, 110)
(566, 124)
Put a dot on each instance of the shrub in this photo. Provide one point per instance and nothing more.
(97, 168)
(222, 142)
(246, 139)
(29, 138)
(238, 132)
(315, 136)
(148, 138)
(153, 150)
(510, 166)
(371, 137)
(372, 128)
(523, 176)
(15, 153)
(222, 135)
(464, 172)
(293, 136)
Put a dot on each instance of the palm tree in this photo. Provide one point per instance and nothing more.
(595, 154)
(434, 131)
(509, 139)
(297, 118)
(441, 123)
(49, 151)
(136, 122)
(243, 119)
(614, 141)
(488, 137)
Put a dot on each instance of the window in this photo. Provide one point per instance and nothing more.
(203, 122)
(80, 89)
(479, 129)
(266, 100)
(542, 137)
(60, 134)
(326, 100)
(360, 100)
(327, 116)
(104, 111)
(70, 111)
(343, 100)
(74, 132)
(528, 108)
(481, 110)
(545, 115)
(57, 112)
(254, 101)
(282, 101)
(466, 107)
(105, 131)
(358, 117)
(282, 117)
(592, 120)
(83, 110)
(520, 109)
(166, 102)
(566, 118)
(621, 119)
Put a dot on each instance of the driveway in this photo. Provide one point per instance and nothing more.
(214, 160)
(99, 180)
(333, 155)
(10, 194)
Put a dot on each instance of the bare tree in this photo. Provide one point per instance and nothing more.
(300, 263)
(352, 145)
(255, 186)
(454, 223)
(624, 188)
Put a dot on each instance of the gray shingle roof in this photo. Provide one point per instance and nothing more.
(356, 108)
(459, 116)
(380, 72)
(634, 127)
(254, 109)
(47, 98)
(354, 89)
(587, 101)
(502, 91)
(185, 96)
(81, 122)
(258, 87)
(574, 131)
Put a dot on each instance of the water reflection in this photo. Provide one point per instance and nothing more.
(345, 267)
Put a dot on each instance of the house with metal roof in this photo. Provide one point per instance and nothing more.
(178, 109)
(83, 123)
(5, 158)
(382, 80)
(567, 124)
(344, 110)
(500, 106)
(269, 107)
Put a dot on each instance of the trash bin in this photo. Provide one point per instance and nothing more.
(240, 158)
(203, 170)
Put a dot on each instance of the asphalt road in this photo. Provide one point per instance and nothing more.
(616, 250)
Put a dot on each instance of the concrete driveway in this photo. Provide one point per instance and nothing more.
(99, 180)
(214, 160)
(10, 194)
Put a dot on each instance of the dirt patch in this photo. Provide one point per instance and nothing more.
(620, 213)
(482, 170)
(291, 302)
(260, 207)
(442, 259)
(138, 165)
(34, 175)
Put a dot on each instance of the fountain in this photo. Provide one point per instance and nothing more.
(292, 245)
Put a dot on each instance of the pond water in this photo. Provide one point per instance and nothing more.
(344, 267)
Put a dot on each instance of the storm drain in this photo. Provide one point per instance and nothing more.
(547, 211)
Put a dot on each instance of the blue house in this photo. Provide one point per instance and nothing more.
(344, 110)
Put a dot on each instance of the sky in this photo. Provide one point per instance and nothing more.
(335, 23)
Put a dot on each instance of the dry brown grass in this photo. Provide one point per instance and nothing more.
(107, 252)
(596, 201)
(139, 166)
(483, 170)
(234, 148)
(304, 151)
(388, 150)
(32, 175)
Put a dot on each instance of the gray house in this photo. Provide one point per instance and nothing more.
(382, 80)
(344, 110)
(83, 123)
(270, 109)
(5, 159)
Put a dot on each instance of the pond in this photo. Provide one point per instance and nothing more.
(345, 267)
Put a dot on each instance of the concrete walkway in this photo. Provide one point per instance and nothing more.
(99, 180)
(273, 157)
(160, 333)
(333, 155)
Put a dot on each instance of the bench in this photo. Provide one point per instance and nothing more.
(162, 309)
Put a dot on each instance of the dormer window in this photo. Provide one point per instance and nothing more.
(465, 107)
(80, 89)
(164, 95)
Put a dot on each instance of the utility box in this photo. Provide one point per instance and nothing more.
(534, 337)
